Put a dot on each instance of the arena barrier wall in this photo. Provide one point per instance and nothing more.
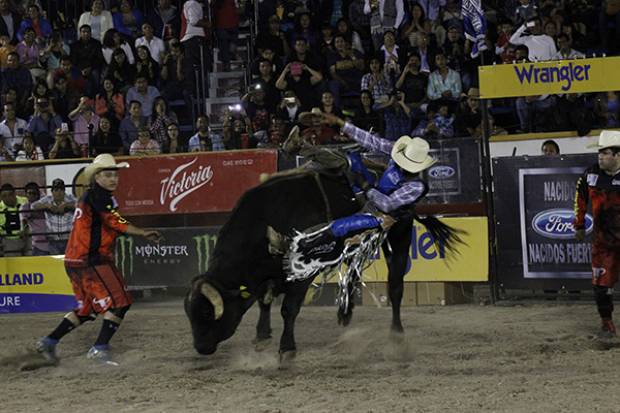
(34, 284)
(553, 77)
(534, 200)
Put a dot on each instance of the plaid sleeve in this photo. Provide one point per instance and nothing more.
(405, 195)
(367, 139)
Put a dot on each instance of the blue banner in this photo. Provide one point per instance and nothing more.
(475, 25)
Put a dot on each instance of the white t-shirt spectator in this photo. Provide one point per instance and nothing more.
(156, 46)
(13, 137)
(541, 47)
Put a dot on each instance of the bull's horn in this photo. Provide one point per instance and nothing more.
(214, 298)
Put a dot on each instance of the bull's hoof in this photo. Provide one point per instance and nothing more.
(344, 318)
(397, 329)
(287, 358)
(261, 344)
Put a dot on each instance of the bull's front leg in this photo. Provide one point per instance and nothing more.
(263, 327)
(397, 257)
(293, 299)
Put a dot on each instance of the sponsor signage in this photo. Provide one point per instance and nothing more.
(444, 178)
(34, 284)
(553, 77)
(183, 254)
(429, 261)
(534, 201)
(200, 182)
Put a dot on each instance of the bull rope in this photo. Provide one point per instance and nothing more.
(328, 210)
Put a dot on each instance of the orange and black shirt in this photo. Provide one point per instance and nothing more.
(96, 224)
(603, 191)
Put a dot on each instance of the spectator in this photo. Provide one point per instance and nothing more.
(366, 117)
(135, 120)
(28, 51)
(396, 117)
(551, 29)
(328, 106)
(85, 123)
(12, 128)
(609, 13)
(110, 102)
(204, 140)
(444, 83)
(414, 84)
(526, 11)
(62, 99)
(443, 122)
(326, 40)
(165, 20)
(272, 38)
(534, 112)
(144, 145)
(144, 94)
(346, 68)
(352, 37)
(571, 113)
(39, 90)
(145, 66)
(86, 55)
(16, 77)
(267, 80)
(304, 30)
(193, 34)
(58, 208)
(289, 109)
(540, 46)
(606, 108)
(550, 148)
(277, 133)
(300, 78)
(33, 222)
(415, 27)
(237, 133)
(426, 53)
(392, 55)
(154, 44)
(566, 52)
(503, 48)
(9, 21)
(226, 18)
(43, 123)
(65, 146)
(77, 84)
(315, 132)
(113, 40)
(384, 16)
(376, 82)
(98, 19)
(256, 108)
(470, 118)
(266, 54)
(6, 154)
(11, 230)
(454, 49)
(42, 27)
(174, 72)
(128, 20)
(360, 21)
(49, 57)
(121, 70)
(29, 151)
(5, 48)
(302, 54)
(172, 138)
(161, 118)
(106, 140)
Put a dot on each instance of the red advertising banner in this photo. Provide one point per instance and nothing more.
(181, 184)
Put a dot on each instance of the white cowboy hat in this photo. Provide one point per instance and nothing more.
(307, 118)
(607, 139)
(101, 162)
(411, 154)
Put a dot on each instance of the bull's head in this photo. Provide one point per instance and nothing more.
(213, 315)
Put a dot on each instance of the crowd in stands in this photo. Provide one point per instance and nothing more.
(82, 78)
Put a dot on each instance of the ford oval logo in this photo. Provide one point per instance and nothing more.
(558, 223)
(441, 172)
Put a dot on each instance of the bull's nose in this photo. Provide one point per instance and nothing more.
(205, 349)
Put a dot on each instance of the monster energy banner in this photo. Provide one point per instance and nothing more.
(183, 254)
(534, 199)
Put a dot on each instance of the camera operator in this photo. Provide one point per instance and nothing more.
(65, 146)
(238, 129)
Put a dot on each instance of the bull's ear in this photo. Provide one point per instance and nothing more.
(214, 297)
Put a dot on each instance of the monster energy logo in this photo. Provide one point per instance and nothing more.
(124, 255)
(204, 247)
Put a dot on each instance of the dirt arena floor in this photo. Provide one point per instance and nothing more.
(525, 358)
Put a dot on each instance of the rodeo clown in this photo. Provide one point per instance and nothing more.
(98, 285)
(600, 185)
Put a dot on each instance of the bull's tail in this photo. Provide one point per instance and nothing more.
(444, 234)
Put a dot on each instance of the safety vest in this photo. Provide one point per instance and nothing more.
(10, 222)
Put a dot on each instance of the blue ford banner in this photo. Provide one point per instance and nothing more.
(475, 25)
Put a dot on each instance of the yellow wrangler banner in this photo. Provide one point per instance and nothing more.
(34, 284)
(556, 77)
(429, 263)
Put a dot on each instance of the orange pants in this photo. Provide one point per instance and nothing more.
(605, 266)
(98, 289)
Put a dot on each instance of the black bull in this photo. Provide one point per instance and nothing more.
(241, 265)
